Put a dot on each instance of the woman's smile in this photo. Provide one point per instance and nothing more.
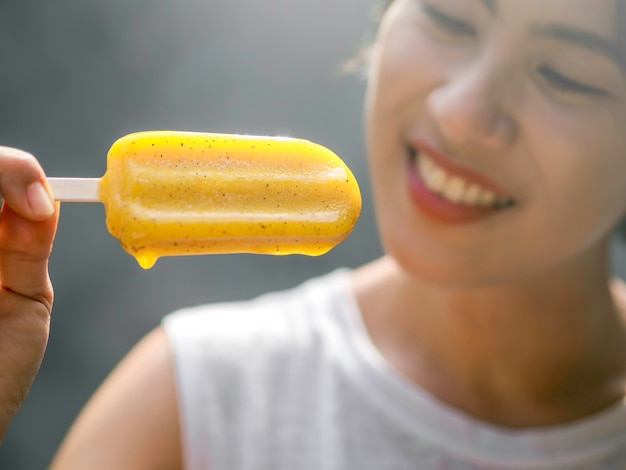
(449, 192)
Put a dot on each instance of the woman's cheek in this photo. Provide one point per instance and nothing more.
(584, 179)
(407, 67)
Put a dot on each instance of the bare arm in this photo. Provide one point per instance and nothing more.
(132, 420)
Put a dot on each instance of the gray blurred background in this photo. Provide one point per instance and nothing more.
(77, 74)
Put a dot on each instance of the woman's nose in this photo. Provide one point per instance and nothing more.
(471, 109)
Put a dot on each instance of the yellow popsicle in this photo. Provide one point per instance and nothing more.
(181, 193)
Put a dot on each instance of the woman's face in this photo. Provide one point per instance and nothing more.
(496, 135)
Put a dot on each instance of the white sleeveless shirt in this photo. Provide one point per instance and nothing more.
(291, 381)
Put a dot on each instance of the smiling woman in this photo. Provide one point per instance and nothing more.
(489, 335)
(473, 125)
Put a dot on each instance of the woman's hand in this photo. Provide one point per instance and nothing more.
(27, 226)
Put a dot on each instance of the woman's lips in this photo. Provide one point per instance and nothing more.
(448, 193)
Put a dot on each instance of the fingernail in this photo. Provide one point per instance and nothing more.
(39, 199)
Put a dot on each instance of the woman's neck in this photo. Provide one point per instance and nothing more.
(539, 353)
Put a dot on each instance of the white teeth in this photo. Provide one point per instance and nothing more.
(435, 177)
(439, 178)
(472, 195)
(487, 198)
(454, 188)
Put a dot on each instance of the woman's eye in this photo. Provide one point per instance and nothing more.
(447, 22)
(564, 84)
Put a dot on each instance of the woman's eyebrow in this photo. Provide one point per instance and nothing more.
(582, 38)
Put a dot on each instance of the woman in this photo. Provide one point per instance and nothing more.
(489, 336)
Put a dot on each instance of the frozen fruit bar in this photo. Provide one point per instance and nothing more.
(181, 193)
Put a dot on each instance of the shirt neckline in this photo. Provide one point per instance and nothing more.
(460, 434)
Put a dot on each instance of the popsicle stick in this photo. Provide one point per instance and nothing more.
(75, 189)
